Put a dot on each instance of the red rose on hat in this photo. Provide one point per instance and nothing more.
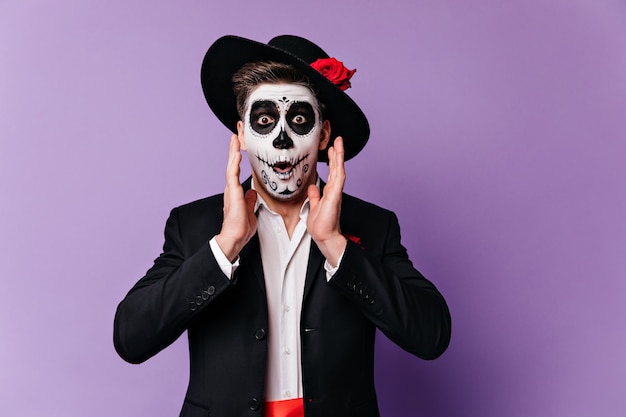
(335, 71)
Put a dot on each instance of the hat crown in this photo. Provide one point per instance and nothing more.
(299, 47)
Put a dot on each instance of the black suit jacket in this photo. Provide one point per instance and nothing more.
(376, 286)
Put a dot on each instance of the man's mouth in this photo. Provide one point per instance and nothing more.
(284, 166)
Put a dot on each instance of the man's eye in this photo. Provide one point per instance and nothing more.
(265, 120)
(299, 119)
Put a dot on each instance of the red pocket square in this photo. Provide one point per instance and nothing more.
(355, 239)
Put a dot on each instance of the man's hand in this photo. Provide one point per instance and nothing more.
(323, 221)
(239, 223)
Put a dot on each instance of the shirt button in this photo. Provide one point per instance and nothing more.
(287, 308)
(288, 393)
(278, 229)
(288, 351)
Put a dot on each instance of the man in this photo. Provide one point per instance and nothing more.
(281, 282)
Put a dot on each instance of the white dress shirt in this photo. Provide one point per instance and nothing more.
(284, 267)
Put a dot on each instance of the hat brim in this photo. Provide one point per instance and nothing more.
(229, 53)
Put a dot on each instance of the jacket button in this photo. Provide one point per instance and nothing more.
(260, 334)
(254, 404)
(211, 290)
(199, 300)
(193, 306)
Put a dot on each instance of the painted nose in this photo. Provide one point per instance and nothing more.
(283, 141)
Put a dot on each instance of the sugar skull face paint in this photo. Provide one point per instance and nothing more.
(282, 131)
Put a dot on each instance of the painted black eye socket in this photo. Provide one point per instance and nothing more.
(263, 117)
(301, 117)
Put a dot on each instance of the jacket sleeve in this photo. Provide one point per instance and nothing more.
(158, 309)
(393, 295)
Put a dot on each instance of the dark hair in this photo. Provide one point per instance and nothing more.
(252, 74)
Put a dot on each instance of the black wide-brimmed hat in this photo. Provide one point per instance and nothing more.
(229, 53)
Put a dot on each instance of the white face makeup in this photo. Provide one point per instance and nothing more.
(282, 130)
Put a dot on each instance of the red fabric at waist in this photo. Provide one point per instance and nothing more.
(284, 408)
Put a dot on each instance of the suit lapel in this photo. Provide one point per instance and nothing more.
(251, 257)
(251, 253)
(316, 260)
(313, 268)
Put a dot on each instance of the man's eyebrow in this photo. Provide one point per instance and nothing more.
(302, 103)
(301, 106)
(262, 103)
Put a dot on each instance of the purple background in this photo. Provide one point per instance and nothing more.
(498, 136)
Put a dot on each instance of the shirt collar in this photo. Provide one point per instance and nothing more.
(304, 210)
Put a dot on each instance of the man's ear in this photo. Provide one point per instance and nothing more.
(325, 135)
(240, 136)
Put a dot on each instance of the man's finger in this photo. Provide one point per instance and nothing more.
(250, 200)
(338, 144)
(339, 156)
(234, 159)
(314, 196)
(336, 173)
